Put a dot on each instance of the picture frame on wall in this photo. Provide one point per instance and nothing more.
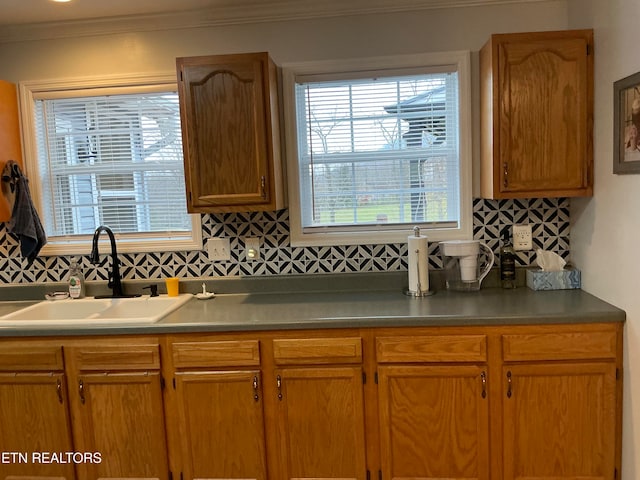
(626, 125)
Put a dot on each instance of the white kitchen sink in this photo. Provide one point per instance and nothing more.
(95, 311)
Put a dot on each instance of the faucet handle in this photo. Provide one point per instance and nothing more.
(153, 288)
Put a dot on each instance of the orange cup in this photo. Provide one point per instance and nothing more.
(173, 286)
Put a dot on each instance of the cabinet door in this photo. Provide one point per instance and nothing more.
(34, 419)
(559, 421)
(224, 119)
(321, 423)
(120, 415)
(434, 422)
(221, 425)
(545, 90)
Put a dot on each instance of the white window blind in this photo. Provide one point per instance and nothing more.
(378, 151)
(112, 160)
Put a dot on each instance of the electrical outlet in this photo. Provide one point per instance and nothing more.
(522, 237)
(218, 249)
(252, 248)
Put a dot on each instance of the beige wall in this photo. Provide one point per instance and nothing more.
(605, 229)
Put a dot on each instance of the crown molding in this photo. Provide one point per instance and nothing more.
(229, 12)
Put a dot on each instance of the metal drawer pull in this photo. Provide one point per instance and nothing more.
(263, 184)
(279, 385)
(256, 397)
(483, 376)
(82, 392)
(509, 384)
(59, 390)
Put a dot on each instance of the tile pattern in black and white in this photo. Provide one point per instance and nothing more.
(548, 217)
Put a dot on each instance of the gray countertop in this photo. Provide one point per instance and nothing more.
(295, 308)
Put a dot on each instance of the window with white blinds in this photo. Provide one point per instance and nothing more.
(378, 151)
(111, 159)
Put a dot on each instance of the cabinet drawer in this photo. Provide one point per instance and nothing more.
(233, 353)
(30, 358)
(115, 357)
(432, 348)
(317, 351)
(559, 346)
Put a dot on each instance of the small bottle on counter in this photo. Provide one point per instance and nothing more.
(76, 280)
(507, 261)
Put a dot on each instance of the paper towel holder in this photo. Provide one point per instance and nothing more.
(419, 292)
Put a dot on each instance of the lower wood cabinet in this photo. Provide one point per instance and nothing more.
(434, 422)
(219, 429)
(321, 423)
(485, 403)
(117, 410)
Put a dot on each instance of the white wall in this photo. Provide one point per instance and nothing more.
(348, 36)
(606, 228)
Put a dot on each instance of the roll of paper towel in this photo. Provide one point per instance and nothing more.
(418, 248)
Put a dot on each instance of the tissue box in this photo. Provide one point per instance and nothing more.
(565, 279)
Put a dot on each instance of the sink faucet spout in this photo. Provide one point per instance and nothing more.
(115, 281)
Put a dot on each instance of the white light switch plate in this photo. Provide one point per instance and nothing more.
(218, 249)
(522, 237)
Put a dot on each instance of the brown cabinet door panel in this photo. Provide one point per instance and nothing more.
(434, 422)
(321, 423)
(34, 420)
(221, 424)
(559, 421)
(121, 416)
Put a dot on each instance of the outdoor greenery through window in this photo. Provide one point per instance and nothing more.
(111, 160)
(378, 150)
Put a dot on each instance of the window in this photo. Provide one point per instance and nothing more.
(381, 145)
(110, 156)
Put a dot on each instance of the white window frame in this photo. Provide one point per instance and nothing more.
(105, 85)
(358, 235)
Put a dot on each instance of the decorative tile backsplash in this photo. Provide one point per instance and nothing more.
(549, 219)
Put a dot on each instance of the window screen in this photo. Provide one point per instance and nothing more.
(378, 150)
(111, 160)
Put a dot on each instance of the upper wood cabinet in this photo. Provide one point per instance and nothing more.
(537, 115)
(10, 145)
(231, 133)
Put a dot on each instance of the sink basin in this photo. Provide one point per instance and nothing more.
(93, 311)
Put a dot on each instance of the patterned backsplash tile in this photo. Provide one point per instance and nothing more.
(549, 219)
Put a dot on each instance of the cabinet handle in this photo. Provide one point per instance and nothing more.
(263, 184)
(483, 377)
(81, 388)
(509, 384)
(59, 390)
(505, 172)
(256, 397)
(279, 385)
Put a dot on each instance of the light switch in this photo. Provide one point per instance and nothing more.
(218, 249)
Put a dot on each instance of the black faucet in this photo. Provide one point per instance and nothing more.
(115, 282)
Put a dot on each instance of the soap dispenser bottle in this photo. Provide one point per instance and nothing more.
(507, 261)
(76, 280)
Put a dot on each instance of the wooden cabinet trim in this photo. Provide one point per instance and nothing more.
(432, 348)
(229, 353)
(559, 346)
(116, 357)
(31, 358)
(316, 351)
